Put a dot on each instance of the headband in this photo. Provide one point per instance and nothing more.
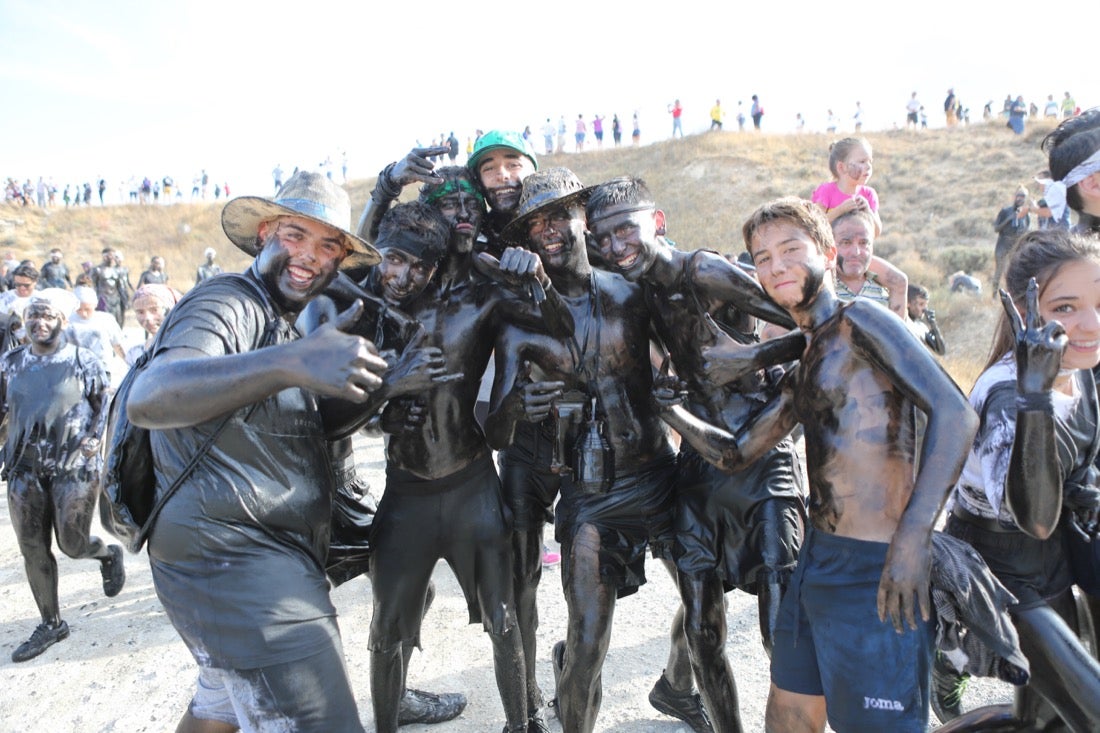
(640, 207)
(1055, 193)
(420, 247)
(454, 185)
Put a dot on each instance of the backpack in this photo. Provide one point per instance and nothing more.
(128, 505)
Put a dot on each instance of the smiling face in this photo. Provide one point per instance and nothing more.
(502, 172)
(1072, 297)
(149, 312)
(556, 234)
(299, 258)
(790, 266)
(627, 238)
(402, 276)
(44, 324)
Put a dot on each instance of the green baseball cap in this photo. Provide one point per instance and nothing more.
(500, 139)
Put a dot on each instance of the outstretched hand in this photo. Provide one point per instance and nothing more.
(338, 364)
(1039, 347)
(416, 167)
(535, 399)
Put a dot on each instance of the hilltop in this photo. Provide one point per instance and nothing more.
(939, 191)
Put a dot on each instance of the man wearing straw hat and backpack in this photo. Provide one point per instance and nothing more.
(238, 552)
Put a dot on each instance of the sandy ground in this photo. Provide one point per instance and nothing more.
(125, 669)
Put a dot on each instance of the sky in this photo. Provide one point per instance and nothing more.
(120, 89)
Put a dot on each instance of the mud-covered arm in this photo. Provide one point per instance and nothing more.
(886, 343)
(537, 305)
(726, 361)
(413, 168)
(716, 278)
(718, 446)
(1033, 486)
(934, 337)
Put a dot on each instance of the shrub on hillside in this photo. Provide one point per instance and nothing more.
(970, 259)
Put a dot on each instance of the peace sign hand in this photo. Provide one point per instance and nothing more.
(1039, 347)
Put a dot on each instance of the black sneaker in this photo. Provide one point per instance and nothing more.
(686, 706)
(948, 687)
(42, 639)
(417, 706)
(113, 571)
(535, 724)
(557, 661)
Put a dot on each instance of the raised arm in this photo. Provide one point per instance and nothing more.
(414, 167)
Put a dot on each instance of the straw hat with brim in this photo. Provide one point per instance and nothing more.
(545, 188)
(308, 195)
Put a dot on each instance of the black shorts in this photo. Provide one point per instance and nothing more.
(458, 518)
(739, 524)
(634, 513)
(528, 485)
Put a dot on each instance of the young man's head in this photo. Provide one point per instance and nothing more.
(626, 225)
(156, 264)
(412, 238)
(209, 254)
(44, 322)
(109, 256)
(792, 247)
(550, 220)
(55, 255)
(461, 204)
(1073, 155)
(499, 163)
(917, 301)
(854, 236)
(300, 239)
(24, 279)
(86, 300)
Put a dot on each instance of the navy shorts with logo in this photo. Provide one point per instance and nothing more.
(829, 641)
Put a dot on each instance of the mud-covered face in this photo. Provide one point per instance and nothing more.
(556, 234)
(150, 313)
(627, 238)
(789, 265)
(402, 276)
(43, 324)
(502, 172)
(299, 258)
(855, 245)
(1072, 297)
(463, 212)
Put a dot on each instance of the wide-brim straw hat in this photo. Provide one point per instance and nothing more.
(308, 195)
(545, 188)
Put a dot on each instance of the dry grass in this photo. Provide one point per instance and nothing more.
(939, 190)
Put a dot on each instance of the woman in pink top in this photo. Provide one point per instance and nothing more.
(850, 164)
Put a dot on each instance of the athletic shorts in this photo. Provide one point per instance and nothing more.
(829, 641)
(458, 518)
(310, 695)
(742, 524)
(528, 485)
(634, 513)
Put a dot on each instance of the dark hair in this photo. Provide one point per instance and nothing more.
(916, 291)
(806, 215)
(423, 222)
(617, 191)
(25, 270)
(451, 174)
(1069, 145)
(1039, 254)
(839, 150)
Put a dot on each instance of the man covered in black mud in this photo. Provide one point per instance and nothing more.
(616, 496)
(53, 395)
(741, 530)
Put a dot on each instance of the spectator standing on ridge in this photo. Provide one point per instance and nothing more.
(740, 116)
(616, 130)
(562, 130)
(54, 403)
(636, 131)
(912, 110)
(277, 174)
(208, 268)
(677, 113)
(547, 137)
(1069, 107)
(857, 118)
(716, 115)
(597, 130)
(949, 108)
(452, 147)
(582, 130)
(1010, 222)
(757, 112)
(1050, 109)
(1017, 114)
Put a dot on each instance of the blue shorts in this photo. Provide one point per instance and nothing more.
(829, 640)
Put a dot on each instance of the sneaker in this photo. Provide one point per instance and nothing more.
(686, 706)
(948, 687)
(535, 724)
(42, 639)
(549, 557)
(557, 661)
(417, 706)
(113, 571)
